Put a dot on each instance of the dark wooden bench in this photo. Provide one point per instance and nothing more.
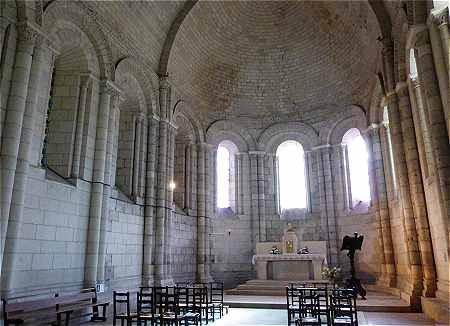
(33, 312)
(85, 299)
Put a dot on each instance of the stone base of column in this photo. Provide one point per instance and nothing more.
(387, 280)
(413, 295)
(163, 278)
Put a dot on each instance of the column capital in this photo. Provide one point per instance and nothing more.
(440, 17)
(164, 81)
(28, 32)
(107, 86)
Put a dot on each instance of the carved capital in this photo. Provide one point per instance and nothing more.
(28, 32)
(164, 82)
(441, 17)
(110, 88)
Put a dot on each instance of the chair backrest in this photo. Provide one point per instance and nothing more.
(182, 292)
(216, 292)
(292, 296)
(166, 300)
(196, 298)
(146, 302)
(343, 304)
(308, 300)
(120, 300)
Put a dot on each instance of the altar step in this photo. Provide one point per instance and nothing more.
(269, 294)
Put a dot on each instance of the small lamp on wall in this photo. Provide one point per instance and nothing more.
(172, 185)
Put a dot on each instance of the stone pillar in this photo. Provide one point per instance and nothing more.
(414, 260)
(149, 210)
(436, 115)
(105, 223)
(327, 203)
(98, 184)
(255, 225)
(12, 127)
(210, 204)
(162, 184)
(261, 196)
(85, 81)
(404, 192)
(169, 203)
(137, 154)
(201, 213)
(416, 190)
(193, 183)
(388, 277)
(187, 178)
(41, 57)
(441, 20)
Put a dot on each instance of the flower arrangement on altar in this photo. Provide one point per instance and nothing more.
(332, 274)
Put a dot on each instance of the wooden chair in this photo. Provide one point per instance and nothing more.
(167, 305)
(205, 304)
(121, 300)
(292, 303)
(146, 307)
(309, 307)
(216, 299)
(324, 302)
(343, 307)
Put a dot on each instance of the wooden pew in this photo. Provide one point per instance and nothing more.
(85, 299)
(33, 312)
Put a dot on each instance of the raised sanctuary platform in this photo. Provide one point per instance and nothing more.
(270, 294)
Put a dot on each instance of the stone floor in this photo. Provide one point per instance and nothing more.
(277, 317)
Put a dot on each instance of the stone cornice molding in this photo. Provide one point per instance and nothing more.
(257, 153)
(110, 88)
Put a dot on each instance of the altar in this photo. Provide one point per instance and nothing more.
(289, 267)
(290, 259)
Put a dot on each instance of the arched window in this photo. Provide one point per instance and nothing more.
(291, 176)
(223, 177)
(357, 168)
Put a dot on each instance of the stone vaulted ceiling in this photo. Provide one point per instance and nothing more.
(257, 58)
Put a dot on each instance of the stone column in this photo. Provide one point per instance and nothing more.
(416, 190)
(436, 115)
(149, 210)
(401, 171)
(255, 225)
(85, 81)
(210, 204)
(105, 223)
(41, 57)
(137, 151)
(193, 183)
(388, 277)
(162, 174)
(441, 20)
(201, 213)
(326, 189)
(261, 196)
(187, 178)
(404, 192)
(12, 127)
(169, 203)
(98, 182)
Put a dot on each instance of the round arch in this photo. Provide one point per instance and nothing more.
(72, 12)
(276, 134)
(232, 131)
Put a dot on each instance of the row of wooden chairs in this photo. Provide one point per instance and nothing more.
(183, 304)
(321, 305)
